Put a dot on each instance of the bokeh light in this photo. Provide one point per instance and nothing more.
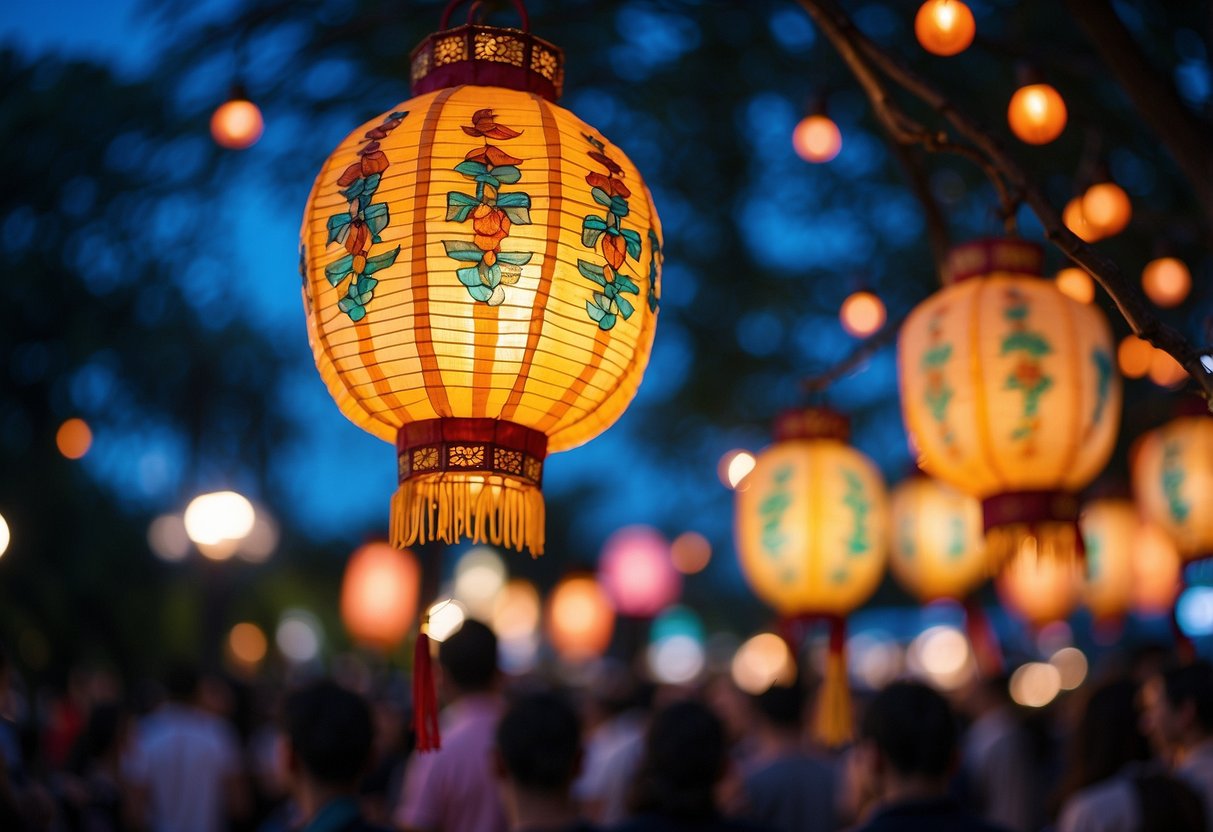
(219, 517)
(817, 139)
(1037, 114)
(763, 661)
(1076, 284)
(516, 611)
(862, 314)
(247, 644)
(1074, 219)
(1165, 371)
(74, 438)
(445, 618)
(690, 553)
(262, 539)
(1107, 208)
(167, 538)
(1134, 356)
(873, 660)
(1194, 611)
(944, 27)
(1071, 666)
(734, 467)
(580, 618)
(5, 535)
(1035, 684)
(479, 576)
(379, 594)
(1166, 281)
(636, 571)
(676, 660)
(941, 656)
(299, 636)
(237, 124)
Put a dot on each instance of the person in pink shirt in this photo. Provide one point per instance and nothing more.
(454, 789)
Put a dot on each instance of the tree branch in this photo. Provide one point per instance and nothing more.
(874, 344)
(866, 60)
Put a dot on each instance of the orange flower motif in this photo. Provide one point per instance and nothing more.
(614, 249)
(491, 226)
(491, 156)
(612, 186)
(484, 123)
(606, 161)
(356, 240)
(1028, 373)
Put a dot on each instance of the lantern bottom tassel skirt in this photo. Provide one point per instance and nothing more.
(451, 507)
(833, 721)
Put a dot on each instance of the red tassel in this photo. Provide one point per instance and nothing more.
(425, 697)
(986, 651)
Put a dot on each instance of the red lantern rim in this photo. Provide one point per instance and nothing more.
(488, 56)
(993, 254)
(812, 423)
(477, 446)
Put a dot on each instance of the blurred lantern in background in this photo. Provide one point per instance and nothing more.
(516, 610)
(1010, 393)
(1173, 482)
(734, 467)
(812, 538)
(1165, 371)
(862, 314)
(1076, 284)
(676, 653)
(636, 571)
(1106, 208)
(1109, 530)
(480, 574)
(236, 124)
(1037, 113)
(944, 27)
(217, 522)
(1040, 589)
(379, 594)
(481, 277)
(580, 619)
(1157, 572)
(817, 138)
(74, 438)
(1133, 356)
(936, 547)
(1166, 281)
(246, 646)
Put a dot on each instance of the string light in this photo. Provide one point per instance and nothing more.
(1134, 356)
(1077, 284)
(944, 27)
(237, 124)
(74, 438)
(817, 138)
(862, 314)
(1166, 281)
(1107, 208)
(1037, 114)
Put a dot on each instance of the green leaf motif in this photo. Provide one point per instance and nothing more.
(506, 174)
(632, 241)
(377, 219)
(471, 169)
(462, 250)
(381, 261)
(1032, 343)
(339, 270)
(601, 197)
(514, 258)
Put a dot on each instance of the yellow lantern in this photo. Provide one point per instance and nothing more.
(1131, 565)
(1040, 589)
(580, 618)
(1037, 113)
(379, 595)
(481, 276)
(1173, 482)
(936, 547)
(812, 537)
(1157, 572)
(1010, 393)
(944, 27)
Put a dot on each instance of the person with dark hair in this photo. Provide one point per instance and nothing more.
(538, 756)
(905, 757)
(685, 758)
(784, 786)
(328, 740)
(1177, 714)
(453, 789)
(1108, 786)
(999, 769)
(185, 765)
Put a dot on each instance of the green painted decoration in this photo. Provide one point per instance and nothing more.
(1027, 375)
(606, 235)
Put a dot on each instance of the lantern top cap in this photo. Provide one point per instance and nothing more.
(994, 254)
(812, 423)
(487, 56)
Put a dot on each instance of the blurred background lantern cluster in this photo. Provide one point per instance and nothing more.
(437, 325)
(1039, 589)
(1132, 566)
(1166, 281)
(1010, 394)
(812, 538)
(1173, 482)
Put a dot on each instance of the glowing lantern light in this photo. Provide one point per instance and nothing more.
(636, 571)
(481, 277)
(580, 619)
(734, 467)
(74, 438)
(1165, 371)
(676, 654)
(817, 138)
(299, 636)
(1037, 114)
(379, 595)
(246, 644)
(1166, 281)
(1134, 356)
(5, 535)
(1074, 219)
(1035, 684)
(516, 611)
(1040, 589)
(1157, 572)
(762, 662)
(218, 521)
(444, 618)
(1106, 208)
(944, 27)
(480, 575)
(812, 538)
(1009, 391)
(1131, 564)
(862, 314)
(936, 548)
(1076, 284)
(690, 553)
(1071, 666)
(237, 123)
(941, 655)
(1173, 482)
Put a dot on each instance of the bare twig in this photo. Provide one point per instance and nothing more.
(874, 344)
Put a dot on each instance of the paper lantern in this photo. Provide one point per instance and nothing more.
(1173, 482)
(1107, 208)
(481, 276)
(936, 546)
(1166, 281)
(817, 138)
(944, 27)
(812, 537)
(580, 618)
(1037, 114)
(1010, 393)
(237, 124)
(379, 595)
(637, 572)
(1040, 589)
(1157, 572)
(1131, 564)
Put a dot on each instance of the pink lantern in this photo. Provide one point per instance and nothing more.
(637, 572)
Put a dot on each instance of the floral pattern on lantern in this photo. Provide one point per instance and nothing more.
(1173, 482)
(1009, 392)
(936, 547)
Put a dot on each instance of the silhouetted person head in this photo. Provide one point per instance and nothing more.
(684, 757)
(329, 732)
(181, 683)
(538, 758)
(469, 658)
(1107, 736)
(1178, 707)
(911, 739)
(781, 706)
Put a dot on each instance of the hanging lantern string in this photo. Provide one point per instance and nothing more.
(870, 63)
(478, 8)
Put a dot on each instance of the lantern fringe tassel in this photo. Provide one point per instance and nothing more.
(508, 515)
(1059, 540)
(833, 722)
(425, 697)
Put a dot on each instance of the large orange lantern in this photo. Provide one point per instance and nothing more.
(1131, 565)
(812, 536)
(1173, 482)
(580, 618)
(481, 275)
(1010, 393)
(379, 595)
(1040, 590)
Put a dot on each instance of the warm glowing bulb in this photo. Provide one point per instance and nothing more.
(944, 27)
(690, 552)
(1166, 281)
(763, 661)
(5, 535)
(1071, 667)
(862, 314)
(1134, 356)
(218, 518)
(74, 438)
(1035, 684)
(236, 124)
(1037, 114)
(1076, 284)
(1076, 221)
(1107, 208)
(444, 619)
(817, 139)
(734, 467)
(1165, 371)
(247, 643)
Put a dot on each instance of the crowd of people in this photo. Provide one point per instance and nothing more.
(1131, 751)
